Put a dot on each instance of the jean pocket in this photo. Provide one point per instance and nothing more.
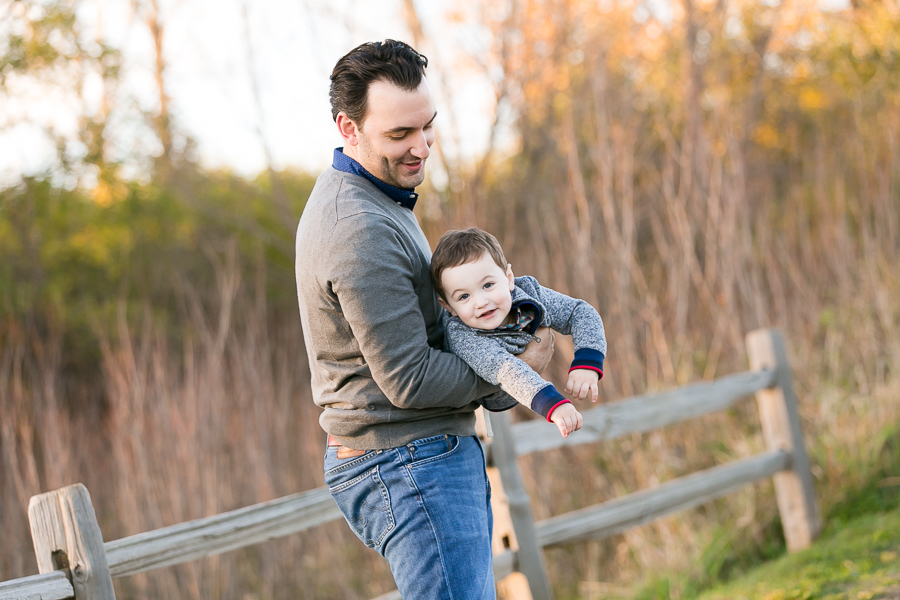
(365, 503)
(432, 449)
(335, 465)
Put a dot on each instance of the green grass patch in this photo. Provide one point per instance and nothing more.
(859, 561)
(856, 557)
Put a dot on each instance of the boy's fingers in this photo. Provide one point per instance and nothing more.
(562, 429)
(595, 391)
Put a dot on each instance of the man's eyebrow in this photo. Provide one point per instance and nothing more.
(404, 128)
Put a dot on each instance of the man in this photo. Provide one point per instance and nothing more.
(402, 462)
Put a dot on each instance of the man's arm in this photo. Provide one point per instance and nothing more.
(369, 269)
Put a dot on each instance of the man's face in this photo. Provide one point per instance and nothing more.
(394, 139)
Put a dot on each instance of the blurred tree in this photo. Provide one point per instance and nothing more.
(47, 55)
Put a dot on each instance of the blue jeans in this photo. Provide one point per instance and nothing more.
(425, 507)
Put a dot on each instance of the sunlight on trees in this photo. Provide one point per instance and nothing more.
(694, 169)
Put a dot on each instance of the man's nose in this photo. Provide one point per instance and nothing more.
(421, 145)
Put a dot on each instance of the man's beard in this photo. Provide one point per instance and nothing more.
(391, 173)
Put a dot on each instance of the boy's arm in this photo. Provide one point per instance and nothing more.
(495, 365)
(369, 270)
(571, 316)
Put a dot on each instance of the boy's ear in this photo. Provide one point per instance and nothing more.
(510, 277)
(446, 306)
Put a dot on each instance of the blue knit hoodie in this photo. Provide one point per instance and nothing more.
(491, 354)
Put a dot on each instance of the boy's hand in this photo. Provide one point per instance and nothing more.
(582, 384)
(567, 419)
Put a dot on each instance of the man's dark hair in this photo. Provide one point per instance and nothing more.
(391, 61)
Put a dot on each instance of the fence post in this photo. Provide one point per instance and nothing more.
(530, 556)
(66, 537)
(781, 430)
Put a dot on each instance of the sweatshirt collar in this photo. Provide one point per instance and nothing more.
(405, 197)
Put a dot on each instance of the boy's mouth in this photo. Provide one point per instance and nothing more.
(487, 314)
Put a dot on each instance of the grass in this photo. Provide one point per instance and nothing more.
(856, 558)
(858, 561)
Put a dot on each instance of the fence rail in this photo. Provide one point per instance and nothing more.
(54, 585)
(220, 533)
(621, 514)
(641, 414)
(75, 563)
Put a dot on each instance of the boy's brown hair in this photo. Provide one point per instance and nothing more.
(461, 246)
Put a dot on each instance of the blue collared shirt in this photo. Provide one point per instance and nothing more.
(402, 196)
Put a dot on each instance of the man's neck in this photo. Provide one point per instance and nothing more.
(352, 152)
(346, 163)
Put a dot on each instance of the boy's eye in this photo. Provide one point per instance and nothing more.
(488, 284)
(462, 297)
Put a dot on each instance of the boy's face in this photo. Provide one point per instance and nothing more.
(478, 292)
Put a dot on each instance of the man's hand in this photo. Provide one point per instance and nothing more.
(582, 384)
(567, 419)
(537, 354)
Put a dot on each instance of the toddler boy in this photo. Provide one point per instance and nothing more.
(493, 317)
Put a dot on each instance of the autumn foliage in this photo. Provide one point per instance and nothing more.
(695, 170)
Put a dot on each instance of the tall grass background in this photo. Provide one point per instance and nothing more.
(705, 197)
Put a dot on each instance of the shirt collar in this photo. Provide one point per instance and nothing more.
(402, 196)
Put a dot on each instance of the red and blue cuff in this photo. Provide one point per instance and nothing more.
(587, 358)
(547, 400)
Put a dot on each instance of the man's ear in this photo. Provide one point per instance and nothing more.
(348, 129)
(510, 277)
(447, 306)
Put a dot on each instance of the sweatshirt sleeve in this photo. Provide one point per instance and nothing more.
(571, 316)
(495, 365)
(370, 270)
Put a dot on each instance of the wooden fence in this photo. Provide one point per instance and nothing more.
(75, 562)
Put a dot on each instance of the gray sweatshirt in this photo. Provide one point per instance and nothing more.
(372, 324)
(491, 353)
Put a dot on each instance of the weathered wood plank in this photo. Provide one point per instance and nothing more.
(781, 429)
(220, 533)
(513, 585)
(66, 535)
(47, 586)
(529, 554)
(504, 564)
(643, 413)
(621, 514)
